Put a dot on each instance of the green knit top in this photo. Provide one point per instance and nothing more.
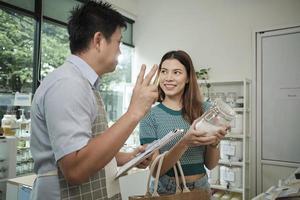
(159, 121)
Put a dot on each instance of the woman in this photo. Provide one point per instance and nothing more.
(180, 104)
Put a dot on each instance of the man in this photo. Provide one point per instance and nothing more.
(75, 153)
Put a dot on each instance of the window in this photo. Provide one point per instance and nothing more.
(16, 44)
(55, 47)
(16, 56)
(58, 10)
(115, 86)
(24, 4)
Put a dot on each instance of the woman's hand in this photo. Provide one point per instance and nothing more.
(140, 149)
(220, 134)
(194, 138)
(199, 137)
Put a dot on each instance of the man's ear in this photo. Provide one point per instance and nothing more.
(98, 40)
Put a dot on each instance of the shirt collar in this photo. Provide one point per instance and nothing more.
(86, 70)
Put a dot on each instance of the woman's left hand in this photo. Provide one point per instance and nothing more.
(145, 163)
(220, 134)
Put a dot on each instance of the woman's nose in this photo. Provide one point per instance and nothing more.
(169, 76)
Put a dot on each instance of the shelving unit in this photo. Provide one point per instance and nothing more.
(13, 161)
(242, 89)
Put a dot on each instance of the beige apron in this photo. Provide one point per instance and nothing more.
(102, 185)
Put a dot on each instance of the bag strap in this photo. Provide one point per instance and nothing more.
(158, 162)
(178, 189)
(152, 167)
(185, 188)
(161, 159)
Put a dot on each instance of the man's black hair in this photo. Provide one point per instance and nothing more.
(89, 18)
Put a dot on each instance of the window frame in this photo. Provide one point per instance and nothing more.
(37, 15)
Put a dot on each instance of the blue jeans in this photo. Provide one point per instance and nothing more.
(167, 185)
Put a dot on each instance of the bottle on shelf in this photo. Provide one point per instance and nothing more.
(23, 125)
(231, 99)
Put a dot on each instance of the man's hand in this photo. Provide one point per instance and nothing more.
(144, 93)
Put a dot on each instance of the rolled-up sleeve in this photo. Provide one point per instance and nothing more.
(69, 115)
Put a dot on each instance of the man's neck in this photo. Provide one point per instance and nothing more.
(89, 58)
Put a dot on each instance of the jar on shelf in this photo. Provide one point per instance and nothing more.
(211, 96)
(231, 99)
(221, 95)
(237, 124)
(240, 102)
(218, 194)
(237, 196)
(9, 124)
(226, 196)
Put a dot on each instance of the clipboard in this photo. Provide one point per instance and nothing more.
(150, 149)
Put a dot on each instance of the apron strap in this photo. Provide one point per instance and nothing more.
(49, 173)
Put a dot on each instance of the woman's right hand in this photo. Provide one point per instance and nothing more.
(194, 138)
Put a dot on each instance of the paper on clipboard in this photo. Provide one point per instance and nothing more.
(155, 145)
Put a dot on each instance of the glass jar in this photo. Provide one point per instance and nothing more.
(221, 95)
(9, 124)
(218, 116)
(231, 98)
(240, 102)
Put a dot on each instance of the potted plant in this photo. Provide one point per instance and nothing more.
(202, 74)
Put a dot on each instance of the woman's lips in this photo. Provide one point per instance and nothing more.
(169, 86)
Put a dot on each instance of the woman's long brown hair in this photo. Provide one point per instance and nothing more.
(191, 98)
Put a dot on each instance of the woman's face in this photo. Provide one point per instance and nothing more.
(173, 77)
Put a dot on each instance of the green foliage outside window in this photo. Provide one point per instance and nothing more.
(16, 45)
(16, 55)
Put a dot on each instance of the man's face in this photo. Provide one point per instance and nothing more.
(111, 51)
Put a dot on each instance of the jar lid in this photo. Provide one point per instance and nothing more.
(225, 109)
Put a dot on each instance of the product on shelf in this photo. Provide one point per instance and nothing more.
(231, 177)
(231, 150)
(9, 124)
(237, 124)
(217, 195)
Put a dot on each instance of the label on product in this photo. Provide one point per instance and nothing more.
(229, 176)
(229, 150)
(210, 129)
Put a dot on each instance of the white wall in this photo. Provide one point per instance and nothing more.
(216, 33)
(127, 7)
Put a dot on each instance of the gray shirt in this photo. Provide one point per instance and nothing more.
(62, 113)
